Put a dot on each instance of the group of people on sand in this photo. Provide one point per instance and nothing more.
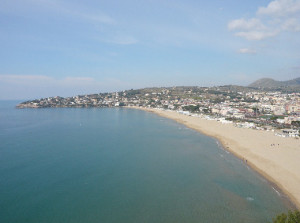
(273, 144)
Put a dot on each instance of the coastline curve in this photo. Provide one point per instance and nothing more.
(278, 165)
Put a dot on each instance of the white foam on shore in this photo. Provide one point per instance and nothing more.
(249, 198)
(277, 192)
(219, 145)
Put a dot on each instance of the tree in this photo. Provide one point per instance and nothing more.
(291, 217)
(296, 123)
(191, 108)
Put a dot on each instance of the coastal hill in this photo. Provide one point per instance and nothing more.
(156, 96)
(269, 83)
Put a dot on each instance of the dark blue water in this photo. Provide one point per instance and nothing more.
(121, 165)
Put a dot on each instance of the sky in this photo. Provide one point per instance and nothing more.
(71, 47)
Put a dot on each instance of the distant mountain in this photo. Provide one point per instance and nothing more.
(273, 84)
(294, 82)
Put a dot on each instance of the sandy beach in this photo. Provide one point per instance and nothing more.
(276, 158)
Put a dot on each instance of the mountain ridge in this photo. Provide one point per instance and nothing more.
(271, 83)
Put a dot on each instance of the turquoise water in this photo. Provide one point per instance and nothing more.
(121, 165)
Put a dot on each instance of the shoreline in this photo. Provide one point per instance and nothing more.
(277, 164)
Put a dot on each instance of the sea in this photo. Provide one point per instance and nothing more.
(107, 165)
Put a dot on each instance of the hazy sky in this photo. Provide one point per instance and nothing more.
(70, 47)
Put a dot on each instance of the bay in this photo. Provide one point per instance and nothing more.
(122, 165)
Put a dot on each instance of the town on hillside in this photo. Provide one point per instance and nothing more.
(275, 111)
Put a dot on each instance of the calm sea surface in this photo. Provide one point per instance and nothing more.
(121, 165)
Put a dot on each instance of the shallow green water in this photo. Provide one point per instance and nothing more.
(121, 165)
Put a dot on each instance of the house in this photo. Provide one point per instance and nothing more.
(291, 132)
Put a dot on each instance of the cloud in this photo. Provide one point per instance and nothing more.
(116, 37)
(123, 40)
(247, 51)
(257, 35)
(71, 11)
(12, 77)
(78, 79)
(291, 25)
(243, 24)
(99, 18)
(38, 86)
(278, 17)
(280, 8)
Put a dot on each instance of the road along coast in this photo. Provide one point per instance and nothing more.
(276, 158)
